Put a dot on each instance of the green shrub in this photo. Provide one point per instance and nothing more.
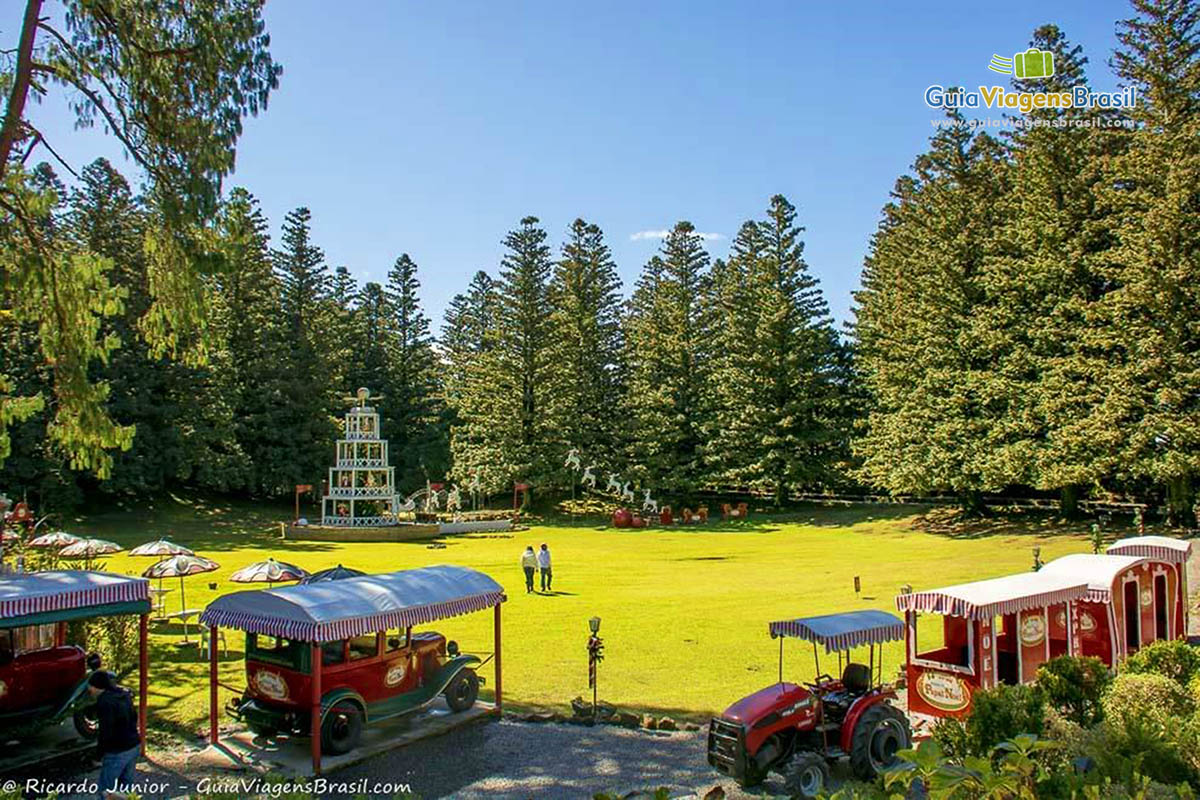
(1148, 698)
(1124, 748)
(951, 735)
(1174, 659)
(1074, 686)
(1004, 713)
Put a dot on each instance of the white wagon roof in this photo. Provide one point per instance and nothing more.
(1163, 548)
(1099, 571)
(990, 598)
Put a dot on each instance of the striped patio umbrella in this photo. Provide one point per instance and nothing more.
(332, 574)
(160, 548)
(181, 566)
(87, 549)
(55, 539)
(269, 571)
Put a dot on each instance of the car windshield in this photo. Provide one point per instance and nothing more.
(274, 650)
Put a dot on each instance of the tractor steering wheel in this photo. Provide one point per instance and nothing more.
(823, 677)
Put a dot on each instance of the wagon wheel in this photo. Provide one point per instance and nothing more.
(806, 775)
(880, 732)
(462, 691)
(341, 728)
(87, 722)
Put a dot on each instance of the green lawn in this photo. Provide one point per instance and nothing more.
(684, 612)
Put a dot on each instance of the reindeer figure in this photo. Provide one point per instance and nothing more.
(453, 499)
(614, 485)
(572, 461)
(589, 477)
(432, 503)
(649, 504)
(626, 493)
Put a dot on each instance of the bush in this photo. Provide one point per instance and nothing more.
(1003, 713)
(1126, 748)
(1174, 659)
(951, 735)
(1147, 698)
(1074, 685)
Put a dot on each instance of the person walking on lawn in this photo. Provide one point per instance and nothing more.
(529, 562)
(118, 740)
(543, 560)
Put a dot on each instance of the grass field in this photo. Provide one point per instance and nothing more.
(684, 612)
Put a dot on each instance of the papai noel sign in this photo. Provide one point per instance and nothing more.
(943, 691)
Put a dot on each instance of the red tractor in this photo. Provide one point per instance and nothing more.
(797, 731)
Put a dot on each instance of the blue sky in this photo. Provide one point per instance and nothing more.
(432, 128)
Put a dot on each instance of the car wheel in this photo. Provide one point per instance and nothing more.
(880, 732)
(463, 691)
(806, 775)
(341, 728)
(265, 731)
(87, 722)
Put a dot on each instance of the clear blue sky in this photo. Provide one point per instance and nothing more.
(432, 128)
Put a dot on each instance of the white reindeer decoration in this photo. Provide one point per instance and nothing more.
(649, 504)
(614, 485)
(626, 493)
(572, 461)
(589, 477)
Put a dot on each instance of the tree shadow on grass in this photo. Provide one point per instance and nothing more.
(954, 524)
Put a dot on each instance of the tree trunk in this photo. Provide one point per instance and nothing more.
(972, 503)
(1180, 502)
(1068, 500)
(11, 129)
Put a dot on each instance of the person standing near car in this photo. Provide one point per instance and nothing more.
(118, 741)
(543, 560)
(529, 562)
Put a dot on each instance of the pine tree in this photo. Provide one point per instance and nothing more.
(922, 331)
(780, 424)
(411, 389)
(1153, 190)
(312, 381)
(586, 397)
(670, 356)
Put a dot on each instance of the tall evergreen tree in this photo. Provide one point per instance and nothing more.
(780, 423)
(670, 356)
(586, 346)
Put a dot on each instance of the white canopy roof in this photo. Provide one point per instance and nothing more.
(986, 599)
(1163, 548)
(1099, 571)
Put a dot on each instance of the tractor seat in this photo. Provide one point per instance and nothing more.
(856, 678)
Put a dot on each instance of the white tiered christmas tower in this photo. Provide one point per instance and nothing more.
(362, 487)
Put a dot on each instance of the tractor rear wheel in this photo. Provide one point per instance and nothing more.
(806, 775)
(341, 728)
(880, 732)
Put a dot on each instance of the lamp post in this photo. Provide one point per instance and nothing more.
(595, 648)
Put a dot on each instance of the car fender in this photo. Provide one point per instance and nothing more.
(338, 695)
(856, 711)
(449, 671)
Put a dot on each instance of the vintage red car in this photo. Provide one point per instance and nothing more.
(332, 657)
(43, 681)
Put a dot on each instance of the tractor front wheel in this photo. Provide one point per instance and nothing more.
(880, 732)
(87, 722)
(806, 775)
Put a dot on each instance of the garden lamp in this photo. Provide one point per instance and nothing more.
(594, 625)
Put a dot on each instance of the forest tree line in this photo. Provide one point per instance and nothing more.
(1027, 322)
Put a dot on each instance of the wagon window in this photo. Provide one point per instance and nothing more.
(943, 641)
(32, 638)
(396, 639)
(333, 652)
(365, 646)
(273, 649)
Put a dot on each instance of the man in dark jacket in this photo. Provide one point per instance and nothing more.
(119, 743)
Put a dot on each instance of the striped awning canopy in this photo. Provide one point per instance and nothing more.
(1163, 548)
(990, 598)
(334, 610)
(36, 598)
(1098, 571)
(842, 631)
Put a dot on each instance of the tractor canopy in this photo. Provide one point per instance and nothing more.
(842, 632)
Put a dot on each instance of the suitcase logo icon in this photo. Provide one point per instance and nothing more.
(1033, 63)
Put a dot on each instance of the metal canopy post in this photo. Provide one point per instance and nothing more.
(212, 684)
(496, 666)
(781, 659)
(316, 708)
(143, 674)
(816, 660)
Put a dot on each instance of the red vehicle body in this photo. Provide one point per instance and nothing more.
(797, 730)
(42, 680)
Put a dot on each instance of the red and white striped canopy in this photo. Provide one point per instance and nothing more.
(334, 610)
(42, 592)
(990, 598)
(842, 631)
(1163, 548)
(55, 539)
(1098, 571)
(269, 571)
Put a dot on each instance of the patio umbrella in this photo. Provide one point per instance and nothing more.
(181, 566)
(160, 548)
(87, 549)
(55, 539)
(332, 574)
(269, 571)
